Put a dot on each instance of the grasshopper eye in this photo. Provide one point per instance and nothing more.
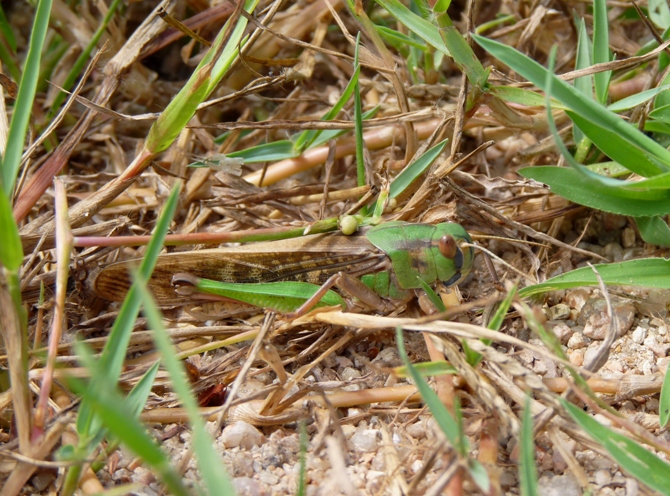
(447, 246)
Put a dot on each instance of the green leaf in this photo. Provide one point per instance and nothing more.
(578, 103)
(432, 296)
(444, 419)
(637, 99)
(644, 272)
(601, 49)
(422, 28)
(659, 13)
(11, 251)
(527, 468)
(664, 401)
(584, 190)
(410, 173)
(306, 138)
(267, 152)
(661, 114)
(463, 55)
(210, 462)
(521, 96)
(427, 369)
(583, 60)
(654, 230)
(114, 352)
(398, 39)
(633, 157)
(202, 82)
(23, 108)
(631, 456)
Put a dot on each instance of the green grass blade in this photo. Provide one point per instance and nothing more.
(75, 72)
(426, 369)
(306, 138)
(137, 397)
(11, 251)
(114, 353)
(330, 134)
(585, 190)
(202, 82)
(627, 154)
(637, 99)
(461, 52)
(644, 272)
(267, 152)
(358, 127)
(399, 40)
(410, 173)
(527, 468)
(659, 13)
(583, 84)
(108, 404)
(521, 96)
(444, 419)
(7, 33)
(210, 463)
(664, 401)
(601, 49)
(578, 103)
(421, 27)
(302, 459)
(23, 108)
(654, 230)
(631, 456)
(432, 296)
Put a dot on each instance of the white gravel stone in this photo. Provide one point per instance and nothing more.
(560, 485)
(602, 477)
(243, 435)
(350, 373)
(558, 312)
(416, 466)
(576, 341)
(365, 440)
(638, 335)
(417, 430)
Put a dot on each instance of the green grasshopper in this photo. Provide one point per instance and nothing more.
(390, 259)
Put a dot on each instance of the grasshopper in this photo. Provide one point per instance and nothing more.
(389, 260)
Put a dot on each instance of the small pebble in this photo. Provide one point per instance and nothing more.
(417, 430)
(243, 435)
(632, 487)
(562, 331)
(614, 221)
(416, 466)
(602, 477)
(365, 440)
(596, 321)
(590, 354)
(576, 298)
(560, 485)
(576, 341)
(246, 486)
(350, 373)
(628, 237)
(558, 312)
(577, 358)
(613, 252)
(639, 334)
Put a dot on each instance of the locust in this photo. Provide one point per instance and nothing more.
(382, 264)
